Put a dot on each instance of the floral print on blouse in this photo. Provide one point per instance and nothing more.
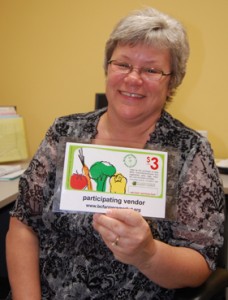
(74, 261)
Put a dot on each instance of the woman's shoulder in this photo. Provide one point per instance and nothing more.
(83, 116)
(174, 128)
(174, 134)
(76, 124)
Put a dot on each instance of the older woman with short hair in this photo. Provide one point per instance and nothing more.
(121, 254)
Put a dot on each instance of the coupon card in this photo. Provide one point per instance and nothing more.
(98, 177)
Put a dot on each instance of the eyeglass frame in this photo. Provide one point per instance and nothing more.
(130, 68)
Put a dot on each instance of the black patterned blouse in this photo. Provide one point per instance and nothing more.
(74, 261)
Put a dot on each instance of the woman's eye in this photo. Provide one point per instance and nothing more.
(124, 66)
(151, 71)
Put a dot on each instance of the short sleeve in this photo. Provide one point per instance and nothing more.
(36, 185)
(200, 205)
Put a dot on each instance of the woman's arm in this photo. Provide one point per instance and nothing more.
(168, 266)
(22, 254)
(174, 267)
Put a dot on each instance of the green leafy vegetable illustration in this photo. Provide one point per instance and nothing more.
(99, 172)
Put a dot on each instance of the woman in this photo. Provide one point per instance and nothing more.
(120, 254)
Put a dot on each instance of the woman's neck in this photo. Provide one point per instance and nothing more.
(124, 133)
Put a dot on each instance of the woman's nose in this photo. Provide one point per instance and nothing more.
(134, 76)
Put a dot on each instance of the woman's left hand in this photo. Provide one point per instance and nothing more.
(126, 234)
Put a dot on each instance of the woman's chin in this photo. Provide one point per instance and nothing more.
(130, 114)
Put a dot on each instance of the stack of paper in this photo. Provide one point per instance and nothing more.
(10, 172)
(7, 111)
(12, 135)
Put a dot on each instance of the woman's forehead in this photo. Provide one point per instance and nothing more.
(140, 51)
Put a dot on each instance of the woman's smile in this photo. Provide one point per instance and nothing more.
(132, 95)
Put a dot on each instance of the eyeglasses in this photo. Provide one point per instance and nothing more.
(145, 73)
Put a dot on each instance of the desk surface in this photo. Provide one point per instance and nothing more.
(225, 182)
(9, 190)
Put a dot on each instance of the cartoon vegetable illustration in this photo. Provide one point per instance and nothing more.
(118, 184)
(85, 169)
(78, 181)
(100, 171)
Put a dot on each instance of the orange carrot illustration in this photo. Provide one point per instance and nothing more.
(85, 169)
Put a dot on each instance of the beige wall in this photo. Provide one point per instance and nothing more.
(51, 57)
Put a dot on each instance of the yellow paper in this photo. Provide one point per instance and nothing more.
(12, 140)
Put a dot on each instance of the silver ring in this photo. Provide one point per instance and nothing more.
(115, 243)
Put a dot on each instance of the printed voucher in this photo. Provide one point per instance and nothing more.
(97, 178)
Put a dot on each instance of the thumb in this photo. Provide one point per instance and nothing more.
(127, 216)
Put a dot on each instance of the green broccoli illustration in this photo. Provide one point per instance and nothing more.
(99, 172)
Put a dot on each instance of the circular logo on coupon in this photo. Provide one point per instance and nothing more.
(130, 160)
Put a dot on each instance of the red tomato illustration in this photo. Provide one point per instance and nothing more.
(78, 181)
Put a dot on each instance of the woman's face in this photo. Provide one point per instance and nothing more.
(131, 96)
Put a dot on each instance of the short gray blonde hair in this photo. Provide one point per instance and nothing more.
(151, 27)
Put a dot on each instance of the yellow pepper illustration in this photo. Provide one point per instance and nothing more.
(118, 184)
